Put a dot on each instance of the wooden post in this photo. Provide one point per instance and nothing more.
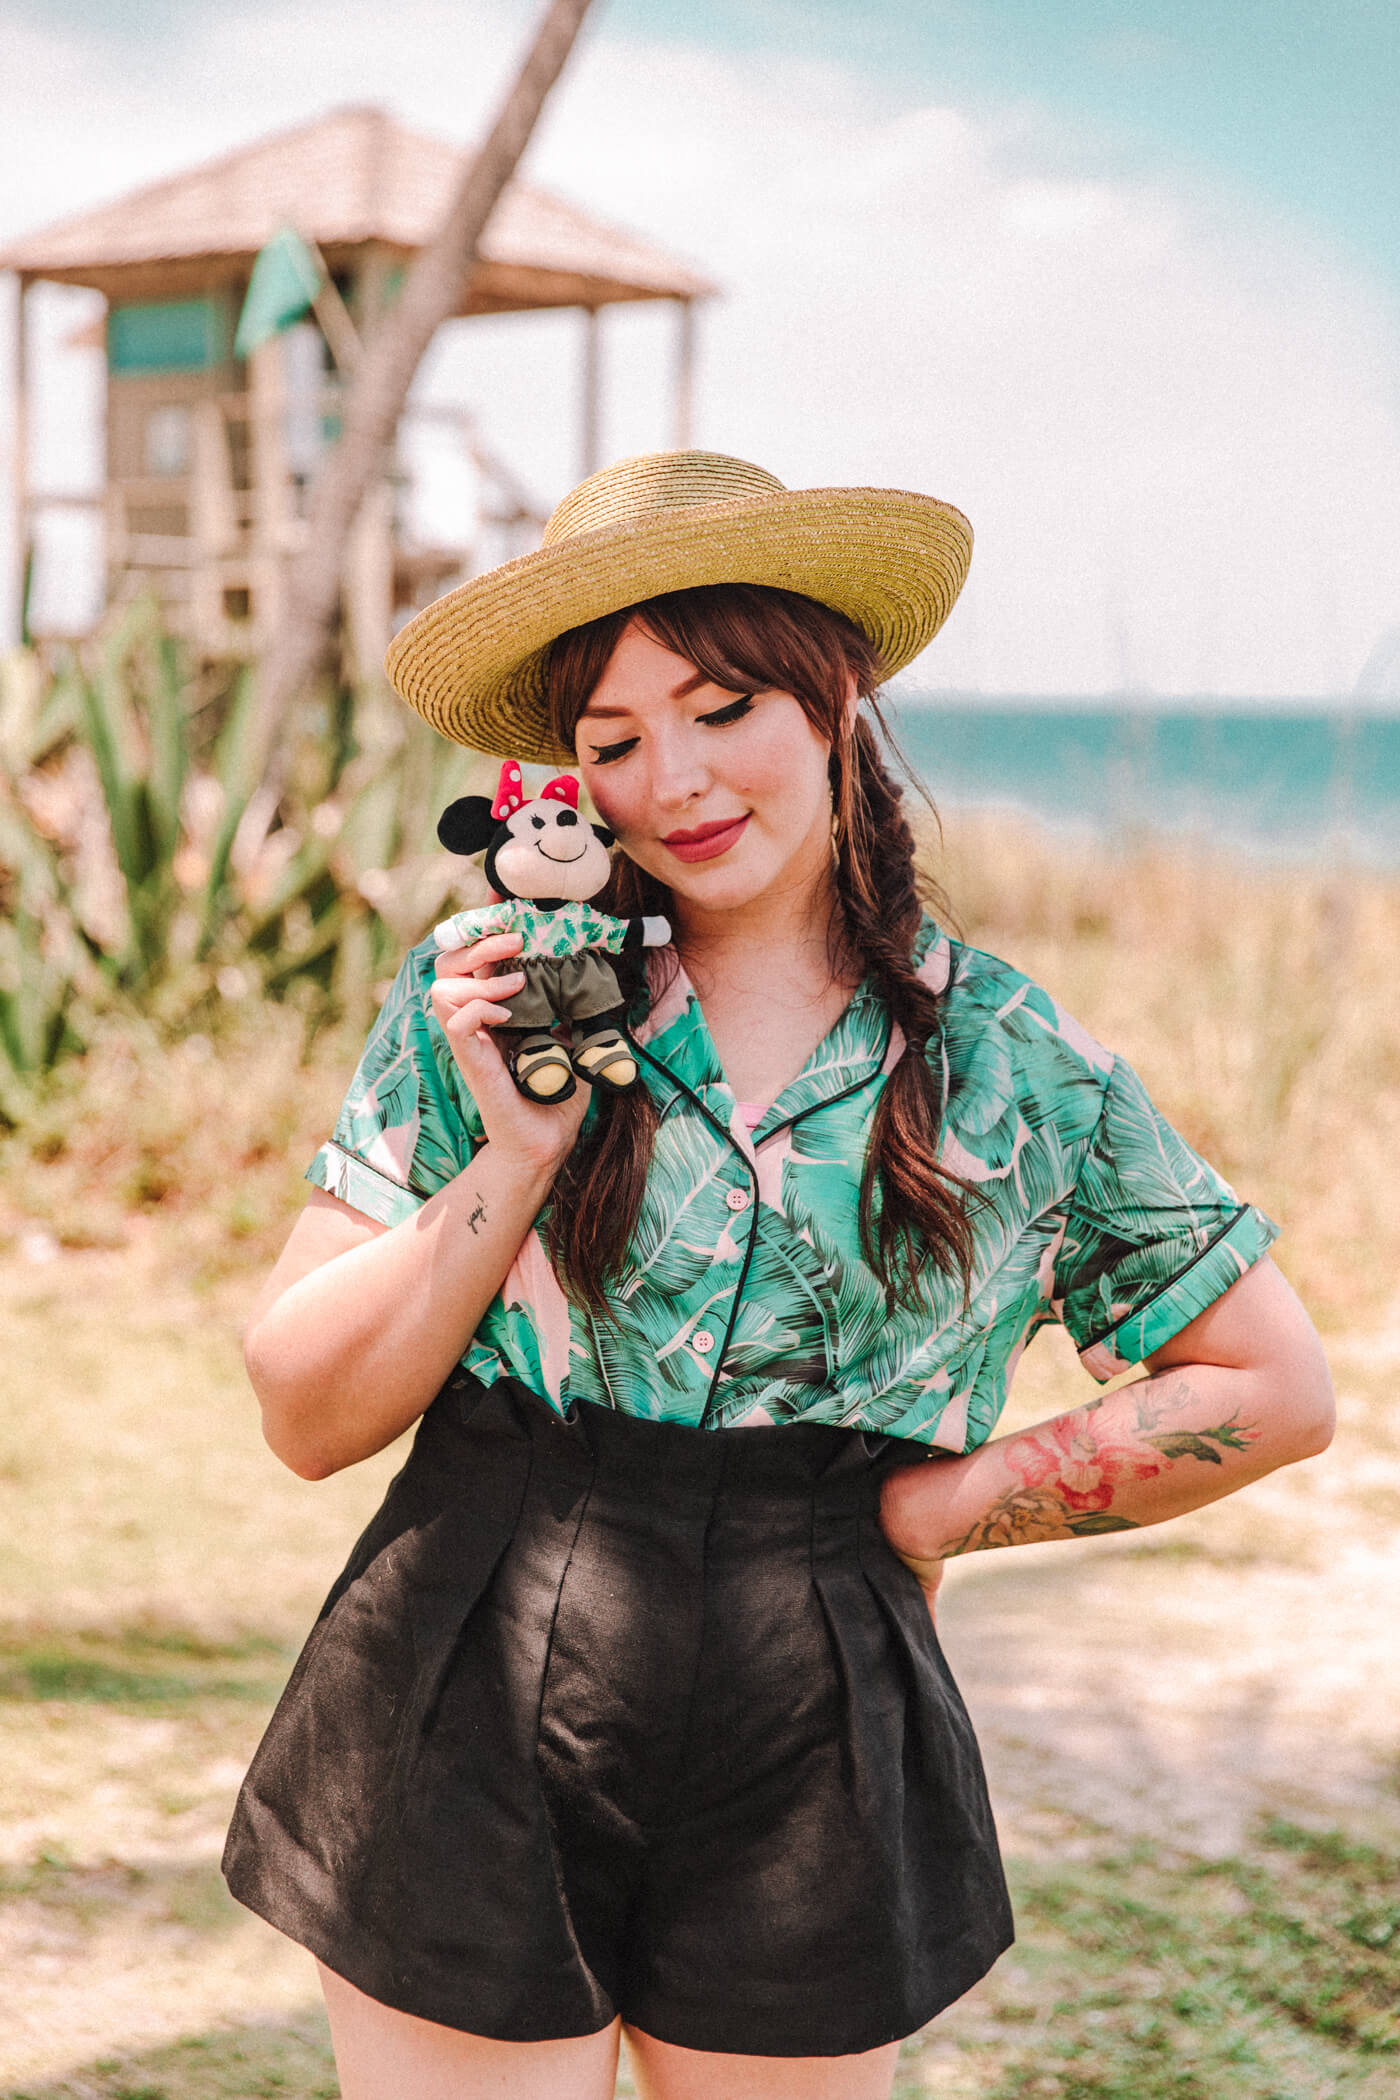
(368, 584)
(367, 575)
(590, 397)
(213, 528)
(685, 375)
(274, 524)
(19, 460)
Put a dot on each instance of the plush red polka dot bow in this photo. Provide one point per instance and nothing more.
(510, 791)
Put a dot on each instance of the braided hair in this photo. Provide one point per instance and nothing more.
(743, 638)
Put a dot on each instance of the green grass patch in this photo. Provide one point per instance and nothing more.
(1270, 1975)
(263, 2062)
(132, 1669)
(91, 1896)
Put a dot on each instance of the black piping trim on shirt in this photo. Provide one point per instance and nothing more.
(733, 1319)
(789, 1123)
(1172, 1281)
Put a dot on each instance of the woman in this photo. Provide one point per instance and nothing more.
(628, 1709)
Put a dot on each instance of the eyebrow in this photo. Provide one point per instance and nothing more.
(617, 714)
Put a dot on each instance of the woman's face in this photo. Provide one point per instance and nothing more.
(723, 797)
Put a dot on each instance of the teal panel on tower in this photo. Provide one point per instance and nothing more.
(172, 335)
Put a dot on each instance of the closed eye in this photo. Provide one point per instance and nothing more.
(604, 754)
(732, 711)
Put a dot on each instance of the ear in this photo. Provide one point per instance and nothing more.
(468, 825)
(603, 835)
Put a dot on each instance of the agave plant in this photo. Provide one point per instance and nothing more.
(43, 965)
(144, 865)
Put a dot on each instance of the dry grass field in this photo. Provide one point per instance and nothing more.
(1190, 1733)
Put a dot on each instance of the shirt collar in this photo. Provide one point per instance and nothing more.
(680, 1049)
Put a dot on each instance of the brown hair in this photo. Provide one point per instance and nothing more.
(745, 638)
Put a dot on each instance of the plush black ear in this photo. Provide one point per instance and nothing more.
(468, 825)
(601, 832)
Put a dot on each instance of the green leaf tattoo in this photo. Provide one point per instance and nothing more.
(1199, 1443)
(1184, 1443)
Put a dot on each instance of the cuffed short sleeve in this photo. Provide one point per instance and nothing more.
(1153, 1235)
(407, 1125)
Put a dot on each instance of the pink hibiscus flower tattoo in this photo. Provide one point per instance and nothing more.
(1084, 1461)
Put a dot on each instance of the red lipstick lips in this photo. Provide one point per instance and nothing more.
(707, 841)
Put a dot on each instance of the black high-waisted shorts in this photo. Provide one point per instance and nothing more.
(613, 1716)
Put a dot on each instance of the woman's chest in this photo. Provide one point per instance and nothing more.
(763, 1040)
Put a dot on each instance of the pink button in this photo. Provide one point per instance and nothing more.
(702, 1341)
(738, 1199)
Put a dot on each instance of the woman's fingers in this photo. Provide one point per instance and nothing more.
(466, 973)
(478, 957)
(529, 1129)
(466, 1019)
(464, 1004)
(452, 992)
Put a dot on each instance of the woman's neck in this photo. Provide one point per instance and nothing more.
(766, 985)
(787, 933)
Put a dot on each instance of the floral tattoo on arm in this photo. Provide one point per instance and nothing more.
(1070, 1470)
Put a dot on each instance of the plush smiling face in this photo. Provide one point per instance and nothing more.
(545, 849)
(537, 850)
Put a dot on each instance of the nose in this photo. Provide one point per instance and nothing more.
(566, 816)
(679, 768)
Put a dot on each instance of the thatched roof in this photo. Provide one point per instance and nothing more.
(352, 178)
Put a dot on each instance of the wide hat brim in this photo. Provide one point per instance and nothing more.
(473, 662)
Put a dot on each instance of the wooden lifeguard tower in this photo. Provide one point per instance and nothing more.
(209, 455)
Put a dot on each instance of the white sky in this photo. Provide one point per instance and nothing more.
(1172, 416)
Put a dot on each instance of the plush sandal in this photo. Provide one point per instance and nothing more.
(606, 1060)
(540, 1069)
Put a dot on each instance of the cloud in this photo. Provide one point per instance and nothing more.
(1172, 419)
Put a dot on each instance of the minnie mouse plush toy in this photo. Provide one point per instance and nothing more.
(544, 862)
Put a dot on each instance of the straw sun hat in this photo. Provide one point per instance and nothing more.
(473, 663)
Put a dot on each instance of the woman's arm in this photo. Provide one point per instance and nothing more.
(1240, 1390)
(359, 1324)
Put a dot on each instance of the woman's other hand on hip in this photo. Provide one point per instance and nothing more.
(904, 1538)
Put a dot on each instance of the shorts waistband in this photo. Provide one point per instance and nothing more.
(780, 1459)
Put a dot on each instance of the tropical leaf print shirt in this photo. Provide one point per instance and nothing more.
(745, 1297)
(566, 929)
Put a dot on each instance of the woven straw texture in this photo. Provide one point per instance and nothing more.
(473, 663)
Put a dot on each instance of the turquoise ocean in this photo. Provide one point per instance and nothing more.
(1282, 780)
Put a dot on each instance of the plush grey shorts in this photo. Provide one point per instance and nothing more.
(564, 988)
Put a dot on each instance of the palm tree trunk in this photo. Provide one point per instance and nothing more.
(376, 396)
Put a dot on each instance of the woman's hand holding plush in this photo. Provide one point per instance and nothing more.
(467, 994)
